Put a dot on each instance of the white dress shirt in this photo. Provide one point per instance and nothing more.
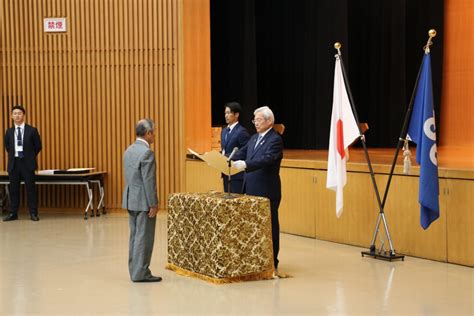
(142, 140)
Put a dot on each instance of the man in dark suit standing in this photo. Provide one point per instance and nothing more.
(261, 159)
(23, 144)
(233, 136)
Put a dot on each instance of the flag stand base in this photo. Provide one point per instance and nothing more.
(382, 254)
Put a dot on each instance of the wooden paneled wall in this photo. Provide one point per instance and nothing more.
(308, 209)
(85, 89)
(457, 111)
(197, 74)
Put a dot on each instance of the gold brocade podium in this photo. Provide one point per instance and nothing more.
(220, 240)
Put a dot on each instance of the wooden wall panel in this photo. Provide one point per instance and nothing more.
(84, 90)
(197, 74)
(457, 111)
(308, 209)
(356, 224)
(402, 211)
(460, 221)
(299, 201)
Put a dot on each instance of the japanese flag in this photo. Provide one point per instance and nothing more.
(344, 131)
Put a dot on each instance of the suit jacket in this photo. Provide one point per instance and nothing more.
(262, 175)
(238, 137)
(31, 147)
(140, 178)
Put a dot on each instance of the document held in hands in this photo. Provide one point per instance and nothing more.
(217, 161)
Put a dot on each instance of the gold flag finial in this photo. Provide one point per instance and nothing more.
(431, 34)
(338, 46)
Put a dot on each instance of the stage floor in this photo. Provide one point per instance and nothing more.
(460, 160)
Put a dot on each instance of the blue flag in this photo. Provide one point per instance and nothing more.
(422, 131)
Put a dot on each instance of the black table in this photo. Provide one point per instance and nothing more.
(85, 179)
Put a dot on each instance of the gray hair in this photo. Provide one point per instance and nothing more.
(144, 126)
(266, 112)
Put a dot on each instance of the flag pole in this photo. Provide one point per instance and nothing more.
(403, 134)
(401, 140)
(391, 255)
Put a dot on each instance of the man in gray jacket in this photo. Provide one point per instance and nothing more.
(141, 201)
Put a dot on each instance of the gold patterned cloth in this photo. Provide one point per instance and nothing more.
(220, 240)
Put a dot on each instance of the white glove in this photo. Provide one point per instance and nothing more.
(239, 164)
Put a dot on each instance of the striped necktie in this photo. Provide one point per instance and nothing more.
(258, 140)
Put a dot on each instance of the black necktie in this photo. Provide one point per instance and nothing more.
(19, 142)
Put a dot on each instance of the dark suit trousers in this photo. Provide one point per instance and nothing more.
(274, 204)
(21, 172)
(235, 184)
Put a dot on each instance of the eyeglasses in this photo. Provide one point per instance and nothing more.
(258, 120)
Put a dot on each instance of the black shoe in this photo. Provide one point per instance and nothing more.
(34, 217)
(11, 217)
(151, 279)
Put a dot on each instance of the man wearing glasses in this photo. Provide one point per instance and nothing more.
(141, 201)
(261, 159)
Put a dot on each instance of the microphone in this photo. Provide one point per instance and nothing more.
(232, 153)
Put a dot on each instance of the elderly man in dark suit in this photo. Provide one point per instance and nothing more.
(233, 136)
(261, 159)
(23, 144)
(141, 201)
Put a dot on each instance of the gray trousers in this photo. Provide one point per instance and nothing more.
(142, 238)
